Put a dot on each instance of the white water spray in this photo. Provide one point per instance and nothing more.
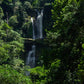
(39, 24)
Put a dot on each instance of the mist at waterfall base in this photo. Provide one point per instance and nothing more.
(37, 34)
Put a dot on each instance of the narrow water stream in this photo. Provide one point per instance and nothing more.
(37, 34)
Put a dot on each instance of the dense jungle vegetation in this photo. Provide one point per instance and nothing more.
(63, 61)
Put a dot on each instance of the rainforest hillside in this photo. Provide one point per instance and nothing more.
(62, 61)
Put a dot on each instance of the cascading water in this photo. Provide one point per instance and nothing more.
(31, 57)
(37, 33)
(32, 20)
(39, 24)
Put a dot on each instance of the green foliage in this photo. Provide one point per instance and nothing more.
(27, 5)
(54, 72)
(7, 34)
(47, 4)
(1, 1)
(17, 64)
(11, 76)
(81, 75)
(63, 59)
(52, 36)
(27, 29)
(83, 46)
(66, 42)
(38, 74)
(11, 65)
(17, 7)
(1, 13)
(5, 27)
(13, 21)
(3, 55)
(36, 3)
(40, 71)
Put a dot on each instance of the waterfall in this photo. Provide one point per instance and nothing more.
(37, 33)
(31, 57)
(32, 20)
(39, 24)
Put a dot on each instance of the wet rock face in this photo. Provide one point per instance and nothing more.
(37, 25)
(37, 34)
(47, 18)
(32, 12)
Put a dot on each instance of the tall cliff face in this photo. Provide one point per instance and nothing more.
(46, 21)
(32, 12)
(47, 18)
